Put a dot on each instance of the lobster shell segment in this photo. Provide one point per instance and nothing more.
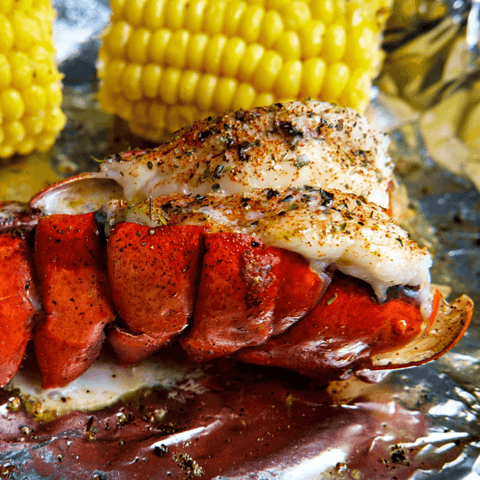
(19, 302)
(72, 275)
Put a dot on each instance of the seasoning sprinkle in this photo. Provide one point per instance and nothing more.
(332, 299)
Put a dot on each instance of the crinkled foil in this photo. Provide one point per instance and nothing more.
(240, 422)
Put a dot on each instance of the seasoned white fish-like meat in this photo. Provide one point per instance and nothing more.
(284, 145)
(326, 227)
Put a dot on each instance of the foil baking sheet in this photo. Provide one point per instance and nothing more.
(231, 421)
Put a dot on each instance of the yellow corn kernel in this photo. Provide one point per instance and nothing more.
(14, 132)
(272, 27)
(296, 14)
(323, 10)
(150, 82)
(233, 17)
(214, 53)
(158, 44)
(289, 79)
(26, 146)
(334, 43)
(158, 112)
(244, 97)
(311, 38)
(251, 23)
(268, 70)
(194, 15)
(335, 81)
(132, 11)
(35, 99)
(6, 7)
(250, 60)
(169, 87)
(44, 141)
(153, 14)
(12, 105)
(264, 99)
(188, 87)
(25, 29)
(113, 74)
(214, 17)
(22, 71)
(196, 50)
(312, 78)
(288, 45)
(224, 93)
(137, 46)
(191, 58)
(233, 53)
(7, 36)
(117, 38)
(357, 92)
(131, 82)
(55, 120)
(117, 7)
(176, 51)
(33, 124)
(205, 90)
(174, 13)
(54, 95)
(6, 150)
(5, 72)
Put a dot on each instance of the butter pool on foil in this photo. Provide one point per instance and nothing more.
(246, 422)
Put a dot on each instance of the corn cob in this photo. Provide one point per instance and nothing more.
(165, 63)
(30, 88)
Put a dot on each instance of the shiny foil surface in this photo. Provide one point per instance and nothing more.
(232, 421)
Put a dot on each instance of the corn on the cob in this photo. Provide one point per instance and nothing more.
(165, 63)
(30, 88)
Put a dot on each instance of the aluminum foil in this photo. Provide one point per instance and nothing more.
(238, 422)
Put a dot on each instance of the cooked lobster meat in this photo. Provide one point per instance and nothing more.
(262, 235)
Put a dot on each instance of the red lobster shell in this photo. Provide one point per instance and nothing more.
(241, 248)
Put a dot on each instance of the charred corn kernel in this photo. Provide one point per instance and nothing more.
(191, 58)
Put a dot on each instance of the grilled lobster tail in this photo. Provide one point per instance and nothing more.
(292, 274)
